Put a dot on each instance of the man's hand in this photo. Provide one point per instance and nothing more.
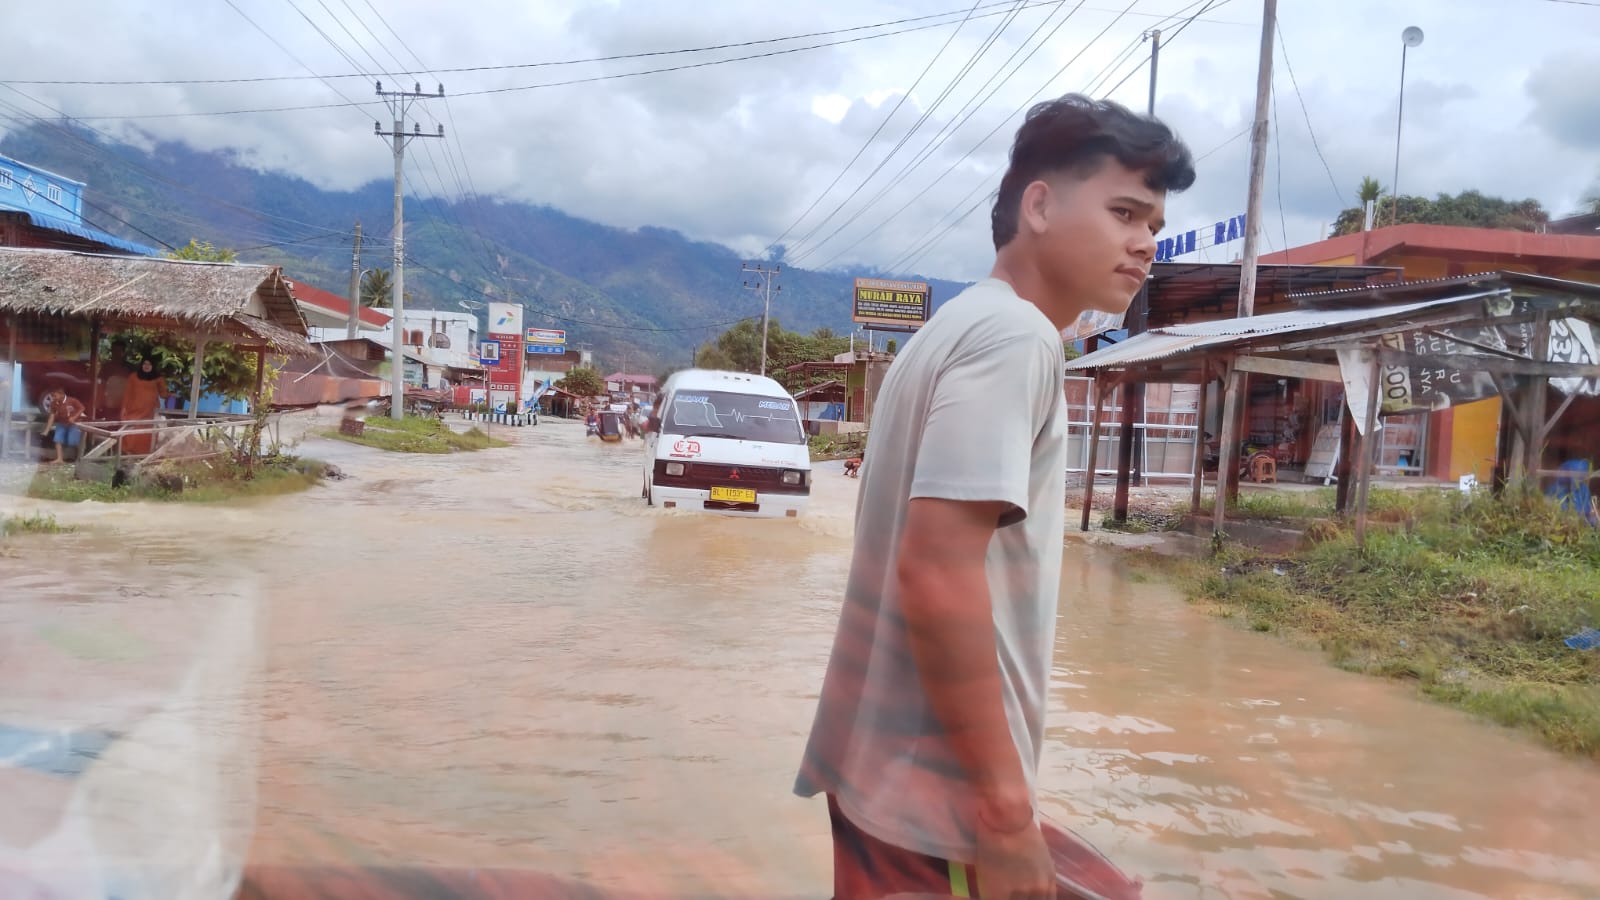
(1014, 865)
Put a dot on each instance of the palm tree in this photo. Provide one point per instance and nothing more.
(1369, 192)
(377, 289)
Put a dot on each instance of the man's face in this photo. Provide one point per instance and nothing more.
(1097, 235)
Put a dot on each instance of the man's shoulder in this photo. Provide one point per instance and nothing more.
(992, 312)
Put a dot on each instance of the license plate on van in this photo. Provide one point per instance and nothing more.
(733, 495)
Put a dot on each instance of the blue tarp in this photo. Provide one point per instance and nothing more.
(91, 234)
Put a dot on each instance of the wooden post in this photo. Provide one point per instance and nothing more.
(1242, 387)
(1228, 461)
(1199, 444)
(94, 368)
(1349, 448)
(194, 386)
(261, 371)
(1539, 391)
(1094, 448)
(1368, 443)
(10, 388)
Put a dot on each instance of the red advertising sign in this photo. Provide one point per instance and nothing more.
(505, 373)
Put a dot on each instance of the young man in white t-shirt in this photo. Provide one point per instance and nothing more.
(928, 731)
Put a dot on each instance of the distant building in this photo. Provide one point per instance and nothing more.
(328, 314)
(41, 209)
(450, 337)
(623, 386)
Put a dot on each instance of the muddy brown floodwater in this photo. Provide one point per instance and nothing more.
(504, 659)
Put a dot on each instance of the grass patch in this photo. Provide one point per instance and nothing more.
(1471, 599)
(203, 481)
(418, 434)
(32, 523)
(837, 446)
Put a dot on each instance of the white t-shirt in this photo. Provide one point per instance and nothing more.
(972, 409)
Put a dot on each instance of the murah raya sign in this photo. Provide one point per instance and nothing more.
(1189, 241)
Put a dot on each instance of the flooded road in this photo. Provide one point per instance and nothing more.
(504, 659)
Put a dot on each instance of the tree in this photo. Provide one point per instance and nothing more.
(1369, 193)
(1470, 209)
(225, 370)
(582, 381)
(739, 349)
(202, 251)
(377, 289)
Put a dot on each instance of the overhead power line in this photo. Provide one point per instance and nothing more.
(573, 321)
(957, 122)
(532, 87)
(867, 144)
(949, 14)
(1284, 48)
(923, 245)
(1016, 112)
(268, 219)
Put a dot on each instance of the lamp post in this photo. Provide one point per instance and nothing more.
(1409, 38)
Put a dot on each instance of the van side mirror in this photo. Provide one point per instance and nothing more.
(652, 425)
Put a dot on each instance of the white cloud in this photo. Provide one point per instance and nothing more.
(736, 152)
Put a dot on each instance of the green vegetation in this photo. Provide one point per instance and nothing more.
(417, 434)
(583, 381)
(739, 349)
(1470, 209)
(1471, 599)
(213, 480)
(837, 446)
(32, 523)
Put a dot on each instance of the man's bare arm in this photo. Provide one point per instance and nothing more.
(944, 593)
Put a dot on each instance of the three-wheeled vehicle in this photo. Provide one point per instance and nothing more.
(610, 427)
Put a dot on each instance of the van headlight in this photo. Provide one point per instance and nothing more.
(675, 469)
(793, 477)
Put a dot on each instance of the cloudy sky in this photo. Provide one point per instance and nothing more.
(1499, 97)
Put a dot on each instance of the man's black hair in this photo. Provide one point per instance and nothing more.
(1076, 134)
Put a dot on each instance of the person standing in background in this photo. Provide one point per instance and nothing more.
(141, 397)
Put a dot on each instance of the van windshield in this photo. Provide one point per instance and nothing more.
(740, 417)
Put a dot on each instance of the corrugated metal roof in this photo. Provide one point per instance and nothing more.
(1499, 280)
(51, 223)
(1164, 343)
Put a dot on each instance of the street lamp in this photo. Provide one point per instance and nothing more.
(1409, 38)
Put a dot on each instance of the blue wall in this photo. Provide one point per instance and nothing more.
(29, 188)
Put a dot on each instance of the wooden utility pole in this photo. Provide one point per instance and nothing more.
(1234, 382)
(1258, 162)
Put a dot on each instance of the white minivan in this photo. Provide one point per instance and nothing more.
(727, 442)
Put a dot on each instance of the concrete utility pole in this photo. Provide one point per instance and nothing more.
(353, 329)
(399, 102)
(763, 285)
(1138, 321)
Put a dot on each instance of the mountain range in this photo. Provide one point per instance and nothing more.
(645, 297)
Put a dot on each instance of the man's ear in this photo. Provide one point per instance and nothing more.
(1033, 213)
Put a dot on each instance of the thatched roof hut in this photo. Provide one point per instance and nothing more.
(232, 302)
